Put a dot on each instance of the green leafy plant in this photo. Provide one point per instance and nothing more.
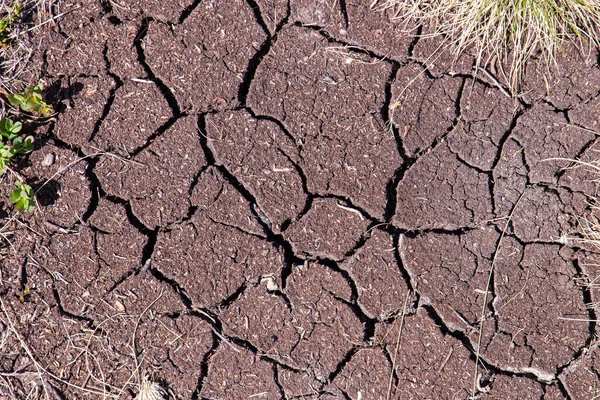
(31, 100)
(23, 197)
(7, 21)
(11, 145)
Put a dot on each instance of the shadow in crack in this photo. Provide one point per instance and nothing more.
(61, 97)
(47, 192)
(3, 211)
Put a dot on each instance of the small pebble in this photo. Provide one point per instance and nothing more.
(48, 160)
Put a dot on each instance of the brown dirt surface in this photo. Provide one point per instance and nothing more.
(303, 199)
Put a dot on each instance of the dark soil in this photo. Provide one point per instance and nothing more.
(266, 199)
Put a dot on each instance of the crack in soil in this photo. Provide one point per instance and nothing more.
(279, 241)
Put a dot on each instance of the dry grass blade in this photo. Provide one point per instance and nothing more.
(399, 337)
(44, 375)
(14, 51)
(512, 30)
(476, 387)
(150, 390)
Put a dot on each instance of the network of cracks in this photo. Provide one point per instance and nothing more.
(300, 199)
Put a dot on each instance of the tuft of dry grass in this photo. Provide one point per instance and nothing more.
(510, 30)
(150, 390)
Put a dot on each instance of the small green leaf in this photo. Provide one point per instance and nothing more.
(16, 128)
(16, 99)
(23, 197)
(21, 146)
(46, 110)
(9, 129)
(27, 145)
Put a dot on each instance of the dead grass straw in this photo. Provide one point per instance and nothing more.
(476, 386)
(15, 52)
(511, 31)
(398, 342)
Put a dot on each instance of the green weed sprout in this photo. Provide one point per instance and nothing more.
(23, 197)
(31, 100)
(11, 145)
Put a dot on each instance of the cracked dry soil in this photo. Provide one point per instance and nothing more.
(271, 192)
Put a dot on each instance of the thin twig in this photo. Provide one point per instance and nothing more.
(69, 165)
(37, 365)
(389, 392)
(54, 18)
(496, 82)
(137, 324)
(487, 289)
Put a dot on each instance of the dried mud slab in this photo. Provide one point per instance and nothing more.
(215, 196)
(85, 99)
(462, 262)
(158, 181)
(366, 376)
(171, 344)
(87, 263)
(122, 131)
(381, 285)
(584, 381)
(299, 384)
(45, 332)
(329, 328)
(263, 318)
(122, 56)
(98, 353)
(214, 64)
(440, 192)
(439, 57)
(429, 364)
(319, 13)
(511, 177)
(485, 120)
(581, 179)
(535, 291)
(424, 108)
(544, 134)
(329, 230)
(263, 158)
(585, 114)
(312, 333)
(542, 216)
(330, 100)
(236, 370)
(76, 47)
(514, 388)
(64, 193)
(82, 14)
(164, 11)
(17, 243)
(212, 260)
(574, 81)
(274, 12)
(377, 31)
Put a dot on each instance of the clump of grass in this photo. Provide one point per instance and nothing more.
(150, 390)
(511, 30)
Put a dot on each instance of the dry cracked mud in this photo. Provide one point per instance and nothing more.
(291, 199)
